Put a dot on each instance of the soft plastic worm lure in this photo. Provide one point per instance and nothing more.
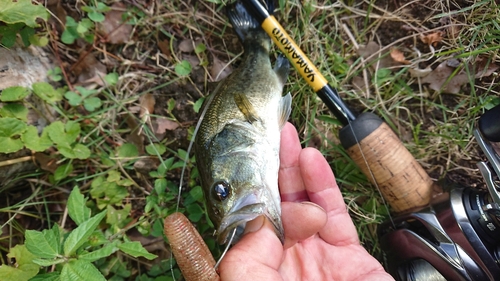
(190, 251)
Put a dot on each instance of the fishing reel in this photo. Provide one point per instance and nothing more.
(457, 236)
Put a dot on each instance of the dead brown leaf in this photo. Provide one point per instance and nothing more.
(432, 38)
(46, 162)
(113, 27)
(368, 52)
(186, 46)
(220, 69)
(147, 104)
(89, 70)
(398, 56)
(164, 47)
(439, 79)
(165, 124)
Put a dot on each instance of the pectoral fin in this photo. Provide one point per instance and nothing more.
(246, 107)
(285, 109)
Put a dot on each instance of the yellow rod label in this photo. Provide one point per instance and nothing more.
(301, 62)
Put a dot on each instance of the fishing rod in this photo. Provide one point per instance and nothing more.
(369, 141)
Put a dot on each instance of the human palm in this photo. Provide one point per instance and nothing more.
(321, 242)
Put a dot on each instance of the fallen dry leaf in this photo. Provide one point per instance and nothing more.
(193, 60)
(164, 47)
(398, 56)
(89, 70)
(186, 46)
(165, 124)
(439, 79)
(432, 38)
(419, 72)
(113, 27)
(219, 69)
(484, 67)
(372, 48)
(147, 104)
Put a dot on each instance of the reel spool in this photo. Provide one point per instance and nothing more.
(456, 237)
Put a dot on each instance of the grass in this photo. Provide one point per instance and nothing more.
(436, 127)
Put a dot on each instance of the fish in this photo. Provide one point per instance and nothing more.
(238, 139)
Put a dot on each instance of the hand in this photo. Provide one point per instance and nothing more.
(321, 242)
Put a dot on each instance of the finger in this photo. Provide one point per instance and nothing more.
(323, 190)
(246, 261)
(289, 178)
(301, 221)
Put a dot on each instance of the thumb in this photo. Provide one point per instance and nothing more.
(257, 255)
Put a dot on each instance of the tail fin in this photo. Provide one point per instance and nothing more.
(241, 20)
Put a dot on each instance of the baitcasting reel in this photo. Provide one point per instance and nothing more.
(456, 237)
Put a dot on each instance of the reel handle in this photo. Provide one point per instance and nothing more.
(382, 157)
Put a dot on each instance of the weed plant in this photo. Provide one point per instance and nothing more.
(105, 178)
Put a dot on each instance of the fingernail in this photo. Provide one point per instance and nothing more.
(255, 224)
(309, 203)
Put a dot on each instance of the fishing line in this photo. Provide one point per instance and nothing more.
(226, 249)
(186, 160)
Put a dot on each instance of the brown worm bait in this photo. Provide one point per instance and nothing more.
(190, 251)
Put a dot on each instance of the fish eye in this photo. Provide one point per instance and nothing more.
(221, 190)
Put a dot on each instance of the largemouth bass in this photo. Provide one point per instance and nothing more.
(237, 144)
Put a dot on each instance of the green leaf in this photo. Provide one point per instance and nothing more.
(69, 36)
(33, 141)
(77, 209)
(73, 98)
(46, 92)
(79, 235)
(114, 176)
(15, 93)
(8, 145)
(39, 40)
(44, 244)
(25, 34)
(195, 212)
(111, 78)
(128, 150)
(197, 105)
(92, 103)
(73, 130)
(9, 35)
(96, 16)
(160, 185)
(57, 134)
(80, 270)
(63, 171)
(104, 252)
(10, 127)
(200, 48)
(135, 249)
(22, 11)
(15, 110)
(24, 267)
(156, 149)
(85, 92)
(183, 68)
(118, 218)
(10, 130)
(79, 151)
(49, 262)
(52, 276)
(55, 74)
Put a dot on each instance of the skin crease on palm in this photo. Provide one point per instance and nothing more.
(321, 242)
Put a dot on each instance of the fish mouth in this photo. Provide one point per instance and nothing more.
(246, 209)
